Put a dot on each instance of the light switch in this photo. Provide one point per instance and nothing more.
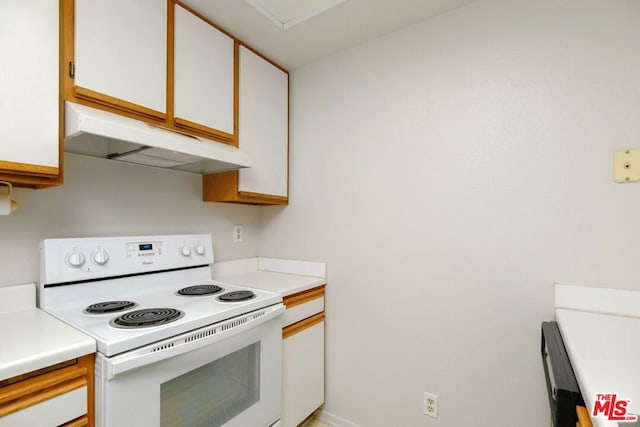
(626, 166)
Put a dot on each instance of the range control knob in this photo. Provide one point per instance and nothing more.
(75, 259)
(185, 251)
(100, 257)
(200, 250)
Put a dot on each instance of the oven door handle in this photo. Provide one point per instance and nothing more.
(189, 341)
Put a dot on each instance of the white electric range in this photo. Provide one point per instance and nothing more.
(175, 348)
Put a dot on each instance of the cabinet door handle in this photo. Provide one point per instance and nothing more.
(72, 69)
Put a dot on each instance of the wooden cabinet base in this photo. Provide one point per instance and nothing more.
(67, 389)
(223, 187)
(26, 181)
(78, 422)
(30, 176)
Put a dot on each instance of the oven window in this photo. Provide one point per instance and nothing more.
(214, 393)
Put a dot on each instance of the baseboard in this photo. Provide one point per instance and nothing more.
(334, 420)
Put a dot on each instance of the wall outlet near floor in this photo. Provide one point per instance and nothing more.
(237, 233)
(430, 404)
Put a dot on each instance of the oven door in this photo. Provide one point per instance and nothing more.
(227, 374)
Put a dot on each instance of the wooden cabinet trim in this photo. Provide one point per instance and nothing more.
(88, 362)
(303, 297)
(583, 417)
(116, 105)
(204, 131)
(67, 48)
(220, 187)
(302, 325)
(28, 181)
(28, 169)
(264, 198)
(71, 375)
(27, 393)
(78, 422)
(36, 373)
(236, 92)
(171, 55)
(223, 187)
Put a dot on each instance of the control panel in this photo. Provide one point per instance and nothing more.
(138, 249)
(68, 260)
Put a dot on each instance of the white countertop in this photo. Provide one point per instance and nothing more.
(285, 276)
(32, 339)
(605, 354)
(601, 333)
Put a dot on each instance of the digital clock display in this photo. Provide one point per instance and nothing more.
(145, 246)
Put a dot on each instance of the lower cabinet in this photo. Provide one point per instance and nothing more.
(61, 395)
(303, 356)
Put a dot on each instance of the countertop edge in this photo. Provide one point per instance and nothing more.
(67, 345)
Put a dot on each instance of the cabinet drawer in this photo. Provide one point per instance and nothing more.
(51, 412)
(302, 311)
(51, 396)
(303, 305)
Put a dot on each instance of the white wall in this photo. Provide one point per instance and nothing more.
(108, 198)
(450, 173)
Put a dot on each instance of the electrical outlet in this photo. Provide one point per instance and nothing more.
(430, 405)
(237, 233)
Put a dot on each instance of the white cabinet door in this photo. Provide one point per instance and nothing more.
(302, 374)
(29, 82)
(203, 72)
(263, 131)
(120, 50)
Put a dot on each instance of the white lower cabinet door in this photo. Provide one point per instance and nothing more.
(303, 374)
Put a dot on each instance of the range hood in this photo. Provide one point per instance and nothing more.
(99, 133)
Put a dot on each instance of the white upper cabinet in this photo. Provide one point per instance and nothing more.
(203, 73)
(29, 87)
(120, 50)
(263, 130)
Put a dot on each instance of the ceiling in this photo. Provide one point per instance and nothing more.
(341, 27)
